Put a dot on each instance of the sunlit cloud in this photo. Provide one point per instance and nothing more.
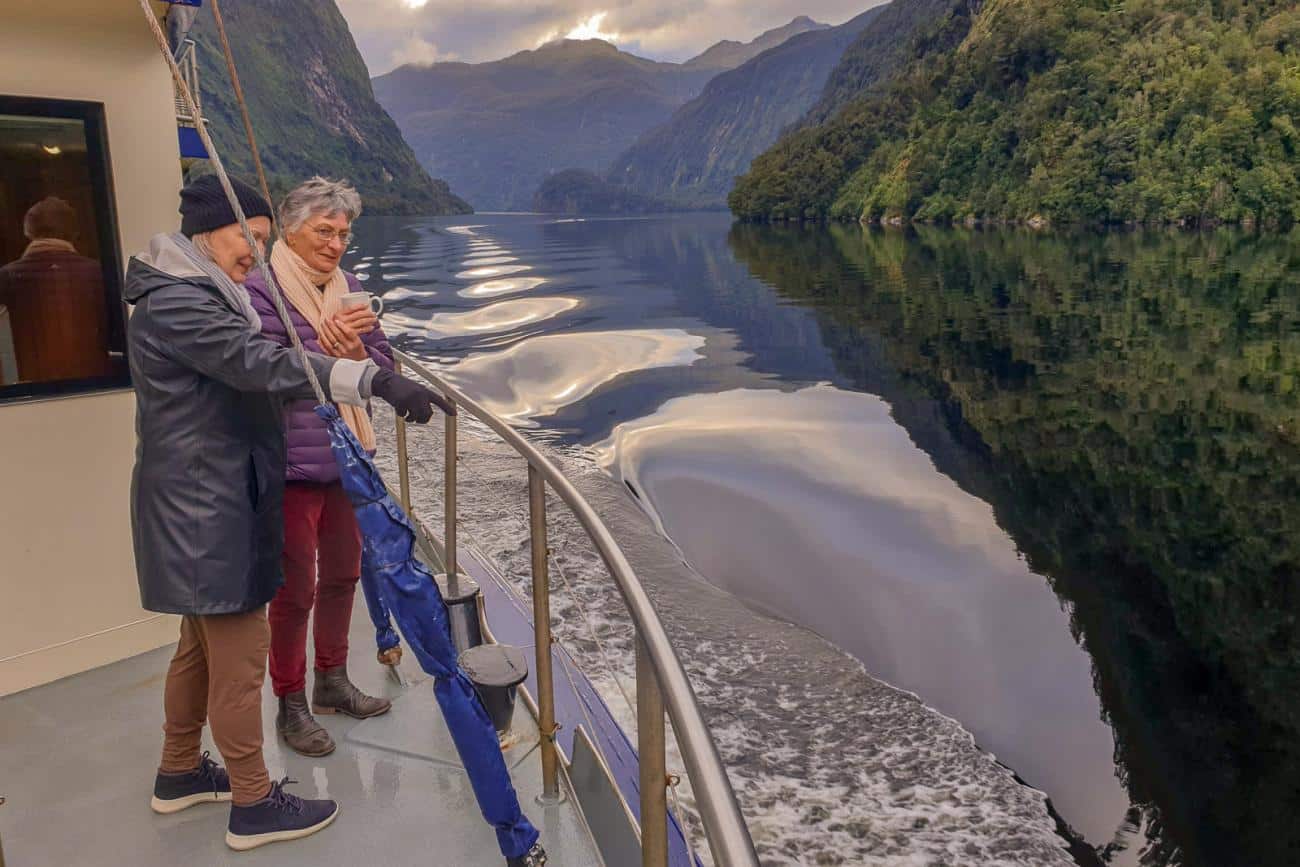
(414, 4)
(586, 29)
(590, 29)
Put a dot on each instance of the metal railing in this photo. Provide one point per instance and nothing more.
(187, 59)
(661, 681)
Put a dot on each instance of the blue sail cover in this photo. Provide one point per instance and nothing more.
(385, 635)
(407, 589)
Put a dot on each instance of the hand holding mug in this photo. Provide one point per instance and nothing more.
(362, 320)
(339, 339)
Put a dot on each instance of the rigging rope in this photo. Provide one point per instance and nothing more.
(239, 98)
(673, 779)
(258, 253)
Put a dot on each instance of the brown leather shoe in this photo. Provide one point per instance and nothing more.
(299, 728)
(334, 693)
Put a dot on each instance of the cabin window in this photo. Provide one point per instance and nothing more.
(61, 313)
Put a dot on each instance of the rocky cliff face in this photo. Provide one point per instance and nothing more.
(879, 50)
(693, 158)
(312, 104)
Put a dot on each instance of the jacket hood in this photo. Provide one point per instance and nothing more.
(163, 264)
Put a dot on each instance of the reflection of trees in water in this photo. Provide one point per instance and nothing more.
(1128, 404)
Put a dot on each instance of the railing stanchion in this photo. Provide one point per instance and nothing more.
(449, 494)
(662, 684)
(650, 755)
(403, 467)
(542, 635)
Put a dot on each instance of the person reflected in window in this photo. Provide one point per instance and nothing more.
(58, 311)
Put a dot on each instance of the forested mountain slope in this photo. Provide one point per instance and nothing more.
(313, 109)
(1064, 110)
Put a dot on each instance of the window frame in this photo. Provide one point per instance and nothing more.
(98, 160)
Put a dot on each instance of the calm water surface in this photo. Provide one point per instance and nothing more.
(1046, 482)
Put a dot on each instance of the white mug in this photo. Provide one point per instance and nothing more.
(363, 299)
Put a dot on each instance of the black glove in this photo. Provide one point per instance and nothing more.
(409, 399)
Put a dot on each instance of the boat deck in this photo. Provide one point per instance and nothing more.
(78, 756)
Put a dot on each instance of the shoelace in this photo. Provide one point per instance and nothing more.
(282, 800)
(207, 770)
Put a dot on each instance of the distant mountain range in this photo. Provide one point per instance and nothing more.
(692, 159)
(312, 105)
(497, 130)
(728, 54)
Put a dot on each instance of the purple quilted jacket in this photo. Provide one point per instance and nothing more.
(309, 455)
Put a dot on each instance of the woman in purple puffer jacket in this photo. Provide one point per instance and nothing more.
(322, 543)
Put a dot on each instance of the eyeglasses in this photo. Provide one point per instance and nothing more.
(326, 234)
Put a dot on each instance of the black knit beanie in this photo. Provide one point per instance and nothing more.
(204, 205)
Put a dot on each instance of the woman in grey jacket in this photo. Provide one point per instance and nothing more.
(206, 498)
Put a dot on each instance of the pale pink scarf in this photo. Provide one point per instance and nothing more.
(303, 287)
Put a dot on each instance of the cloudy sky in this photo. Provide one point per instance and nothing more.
(392, 32)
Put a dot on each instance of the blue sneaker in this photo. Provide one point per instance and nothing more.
(278, 816)
(206, 784)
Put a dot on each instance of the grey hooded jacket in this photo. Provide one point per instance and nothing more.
(208, 486)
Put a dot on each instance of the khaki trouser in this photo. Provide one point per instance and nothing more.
(217, 673)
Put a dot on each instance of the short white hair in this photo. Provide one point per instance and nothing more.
(203, 244)
(315, 197)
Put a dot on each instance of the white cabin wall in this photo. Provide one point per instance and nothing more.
(68, 596)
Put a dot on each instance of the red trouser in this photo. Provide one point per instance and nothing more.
(319, 528)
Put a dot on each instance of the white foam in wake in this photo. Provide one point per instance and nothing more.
(831, 766)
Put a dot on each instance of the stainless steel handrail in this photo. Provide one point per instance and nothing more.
(724, 826)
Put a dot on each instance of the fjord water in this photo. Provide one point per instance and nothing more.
(1047, 482)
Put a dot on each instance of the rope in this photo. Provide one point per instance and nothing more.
(673, 782)
(673, 779)
(239, 98)
(591, 629)
(258, 253)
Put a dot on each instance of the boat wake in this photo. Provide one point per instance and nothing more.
(831, 765)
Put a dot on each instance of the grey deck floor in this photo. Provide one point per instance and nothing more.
(78, 756)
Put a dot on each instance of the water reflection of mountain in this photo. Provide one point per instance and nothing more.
(1127, 403)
